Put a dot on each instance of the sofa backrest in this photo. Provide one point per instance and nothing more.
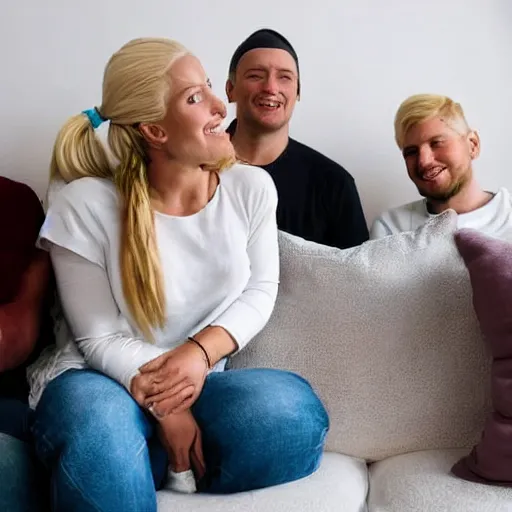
(386, 334)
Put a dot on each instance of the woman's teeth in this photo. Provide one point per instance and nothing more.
(217, 129)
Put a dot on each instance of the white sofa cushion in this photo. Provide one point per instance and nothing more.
(339, 485)
(422, 482)
(387, 335)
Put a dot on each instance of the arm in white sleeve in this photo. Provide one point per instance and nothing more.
(379, 229)
(100, 331)
(251, 311)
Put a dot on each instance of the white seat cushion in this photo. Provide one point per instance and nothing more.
(339, 485)
(422, 482)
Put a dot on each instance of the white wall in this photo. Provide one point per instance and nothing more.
(359, 59)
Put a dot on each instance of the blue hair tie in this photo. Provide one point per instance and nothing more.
(95, 118)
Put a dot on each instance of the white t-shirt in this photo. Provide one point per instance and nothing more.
(494, 218)
(220, 267)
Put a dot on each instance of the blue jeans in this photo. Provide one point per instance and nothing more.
(260, 428)
(20, 476)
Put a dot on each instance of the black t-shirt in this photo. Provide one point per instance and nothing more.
(317, 198)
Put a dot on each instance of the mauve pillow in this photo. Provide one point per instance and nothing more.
(489, 262)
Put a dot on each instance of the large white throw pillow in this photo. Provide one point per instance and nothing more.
(386, 333)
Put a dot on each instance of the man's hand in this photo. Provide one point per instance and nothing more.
(172, 382)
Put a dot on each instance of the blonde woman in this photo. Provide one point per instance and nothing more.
(165, 266)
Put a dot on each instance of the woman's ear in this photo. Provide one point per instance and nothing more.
(154, 135)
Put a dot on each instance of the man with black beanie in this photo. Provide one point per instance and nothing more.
(318, 199)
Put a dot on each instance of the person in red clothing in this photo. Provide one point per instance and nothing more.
(24, 287)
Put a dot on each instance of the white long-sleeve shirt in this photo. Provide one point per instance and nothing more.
(494, 218)
(220, 267)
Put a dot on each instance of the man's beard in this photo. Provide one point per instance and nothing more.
(445, 195)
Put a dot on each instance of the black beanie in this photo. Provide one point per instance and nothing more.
(263, 38)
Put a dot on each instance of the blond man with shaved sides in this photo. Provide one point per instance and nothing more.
(439, 147)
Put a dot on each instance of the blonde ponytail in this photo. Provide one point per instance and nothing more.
(77, 152)
(135, 89)
(140, 263)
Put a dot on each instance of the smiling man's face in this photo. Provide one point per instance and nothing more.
(265, 88)
(439, 158)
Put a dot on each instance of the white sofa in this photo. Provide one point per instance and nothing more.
(386, 334)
